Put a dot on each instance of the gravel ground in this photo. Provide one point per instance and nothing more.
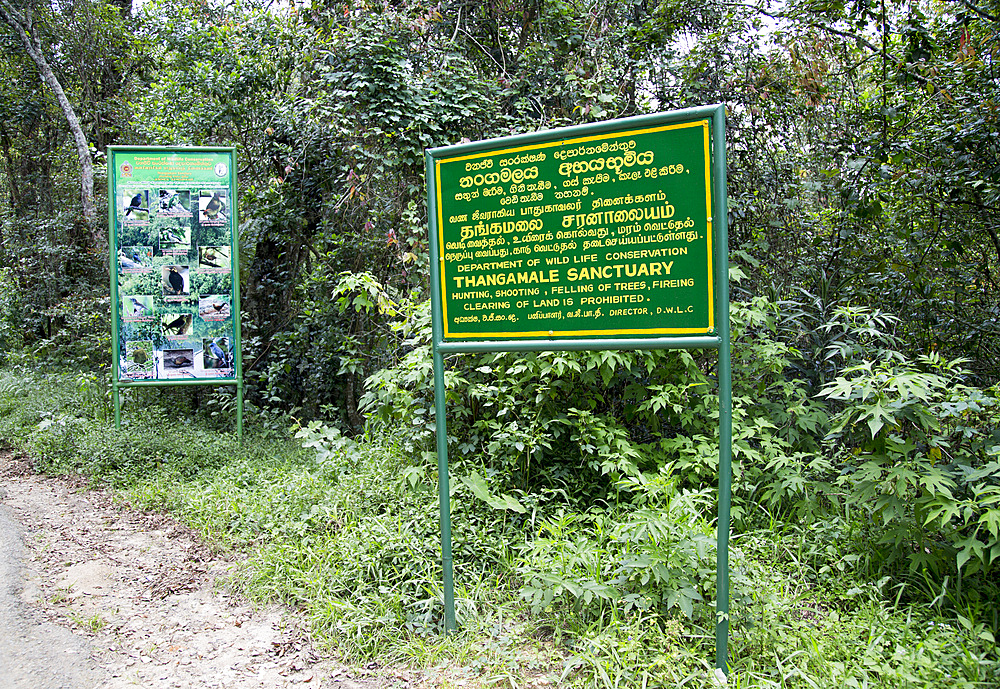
(95, 596)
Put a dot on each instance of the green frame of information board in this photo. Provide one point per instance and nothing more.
(173, 252)
(611, 235)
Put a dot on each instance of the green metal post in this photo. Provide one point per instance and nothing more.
(115, 393)
(444, 490)
(234, 252)
(113, 272)
(725, 392)
(440, 403)
(239, 409)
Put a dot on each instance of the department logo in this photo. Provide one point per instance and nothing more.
(126, 169)
(221, 169)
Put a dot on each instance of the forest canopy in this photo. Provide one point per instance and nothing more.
(862, 148)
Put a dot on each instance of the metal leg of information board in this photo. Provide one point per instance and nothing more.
(444, 492)
(116, 397)
(725, 395)
(239, 409)
(725, 497)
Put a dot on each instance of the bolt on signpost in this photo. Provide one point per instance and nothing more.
(175, 269)
(604, 236)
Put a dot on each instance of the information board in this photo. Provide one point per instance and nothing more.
(611, 235)
(599, 235)
(174, 263)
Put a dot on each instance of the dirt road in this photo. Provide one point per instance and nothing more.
(96, 596)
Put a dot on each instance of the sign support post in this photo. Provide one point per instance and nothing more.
(441, 434)
(444, 490)
(605, 236)
(725, 408)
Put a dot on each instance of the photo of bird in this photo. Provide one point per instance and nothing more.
(179, 361)
(134, 257)
(172, 237)
(213, 307)
(215, 207)
(213, 257)
(178, 358)
(135, 205)
(174, 282)
(129, 263)
(177, 326)
(138, 308)
(217, 352)
(139, 356)
(168, 200)
(175, 201)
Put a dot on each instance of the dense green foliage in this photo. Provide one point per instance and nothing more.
(864, 189)
(346, 530)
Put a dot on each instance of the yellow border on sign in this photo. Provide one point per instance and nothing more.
(571, 333)
(708, 229)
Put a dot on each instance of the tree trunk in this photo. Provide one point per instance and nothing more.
(22, 25)
(12, 176)
(354, 416)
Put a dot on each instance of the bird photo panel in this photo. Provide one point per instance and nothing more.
(135, 259)
(137, 308)
(175, 202)
(174, 238)
(178, 363)
(213, 205)
(140, 359)
(134, 205)
(177, 326)
(214, 259)
(176, 281)
(214, 307)
(216, 353)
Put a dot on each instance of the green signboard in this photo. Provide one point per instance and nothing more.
(174, 266)
(605, 234)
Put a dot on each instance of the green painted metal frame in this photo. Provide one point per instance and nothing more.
(720, 341)
(237, 380)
